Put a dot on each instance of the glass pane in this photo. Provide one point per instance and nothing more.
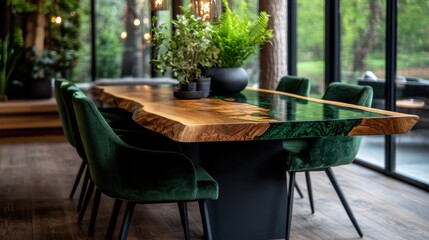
(82, 71)
(122, 40)
(363, 60)
(413, 76)
(310, 41)
(252, 63)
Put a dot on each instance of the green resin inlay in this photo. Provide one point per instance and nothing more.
(295, 118)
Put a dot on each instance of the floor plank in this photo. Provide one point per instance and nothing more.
(36, 177)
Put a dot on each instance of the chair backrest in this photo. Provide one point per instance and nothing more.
(296, 85)
(123, 171)
(349, 93)
(326, 152)
(63, 110)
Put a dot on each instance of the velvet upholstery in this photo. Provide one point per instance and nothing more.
(129, 131)
(296, 85)
(326, 152)
(62, 110)
(320, 153)
(124, 172)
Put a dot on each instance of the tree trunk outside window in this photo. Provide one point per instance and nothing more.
(273, 60)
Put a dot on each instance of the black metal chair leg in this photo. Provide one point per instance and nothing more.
(77, 180)
(310, 190)
(289, 205)
(95, 205)
(334, 182)
(127, 220)
(83, 190)
(86, 201)
(113, 219)
(298, 189)
(205, 218)
(183, 210)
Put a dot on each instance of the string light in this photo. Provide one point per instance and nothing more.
(124, 35)
(136, 22)
(56, 19)
(147, 37)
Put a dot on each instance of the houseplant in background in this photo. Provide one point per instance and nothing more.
(8, 59)
(238, 37)
(189, 49)
(44, 69)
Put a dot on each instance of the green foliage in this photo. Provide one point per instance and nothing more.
(109, 50)
(238, 37)
(187, 50)
(44, 65)
(8, 58)
(25, 6)
(64, 37)
(310, 30)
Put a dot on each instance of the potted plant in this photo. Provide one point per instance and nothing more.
(238, 37)
(44, 69)
(189, 49)
(8, 58)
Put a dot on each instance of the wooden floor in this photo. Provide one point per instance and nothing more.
(36, 177)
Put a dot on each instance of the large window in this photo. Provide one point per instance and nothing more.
(310, 44)
(413, 76)
(363, 60)
(365, 34)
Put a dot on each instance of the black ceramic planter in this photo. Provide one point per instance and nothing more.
(187, 91)
(203, 85)
(227, 80)
(38, 88)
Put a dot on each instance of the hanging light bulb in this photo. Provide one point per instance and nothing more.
(124, 35)
(158, 5)
(137, 22)
(207, 10)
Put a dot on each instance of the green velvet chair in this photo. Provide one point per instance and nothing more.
(321, 154)
(119, 119)
(123, 125)
(138, 175)
(296, 85)
(299, 86)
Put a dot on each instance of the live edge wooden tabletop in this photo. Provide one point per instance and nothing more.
(253, 114)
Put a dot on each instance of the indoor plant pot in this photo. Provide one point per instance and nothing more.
(238, 37)
(227, 80)
(188, 50)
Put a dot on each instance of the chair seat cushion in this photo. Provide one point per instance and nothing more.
(207, 187)
(321, 153)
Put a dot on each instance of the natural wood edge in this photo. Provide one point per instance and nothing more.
(177, 131)
(384, 126)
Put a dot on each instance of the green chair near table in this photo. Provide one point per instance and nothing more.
(118, 118)
(122, 124)
(320, 154)
(137, 175)
(295, 85)
(299, 86)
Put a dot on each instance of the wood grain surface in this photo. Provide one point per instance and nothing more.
(226, 119)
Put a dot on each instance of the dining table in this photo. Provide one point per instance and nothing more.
(238, 139)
